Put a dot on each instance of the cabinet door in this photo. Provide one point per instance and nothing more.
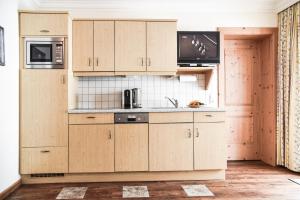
(43, 24)
(44, 118)
(83, 42)
(209, 146)
(104, 46)
(131, 147)
(171, 147)
(161, 46)
(130, 46)
(91, 148)
(44, 160)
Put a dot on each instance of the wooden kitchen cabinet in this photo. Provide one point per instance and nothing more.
(209, 146)
(43, 24)
(171, 147)
(44, 105)
(161, 46)
(44, 160)
(91, 148)
(131, 147)
(93, 46)
(130, 46)
(83, 41)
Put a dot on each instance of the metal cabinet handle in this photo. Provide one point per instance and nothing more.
(44, 31)
(109, 135)
(208, 115)
(90, 117)
(142, 61)
(45, 151)
(97, 62)
(149, 61)
(197, 130)
(63, 81)
(89, 61)
(189, 133)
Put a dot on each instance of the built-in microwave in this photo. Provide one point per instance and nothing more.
(44, 53)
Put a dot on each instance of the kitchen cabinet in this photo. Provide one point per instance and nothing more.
(43, 108)
(161, 46)
(43, 24)
(93, 46)
(171, 147)
(93, 118)
(131, 147)
(130, 43)
(209, 146)
(44, 160)
(91, 148)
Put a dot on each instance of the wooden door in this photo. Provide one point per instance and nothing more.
(44, 104)
(161, 46)
(83, 42)
(131, 147)
(44, 160)
(209, 146)
(130, 46)
(171, 147)
(104, 46)
(241, 98)
(91, 148)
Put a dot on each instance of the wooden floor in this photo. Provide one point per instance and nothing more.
(246, 180)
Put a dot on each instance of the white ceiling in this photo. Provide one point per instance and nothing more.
(266, 6)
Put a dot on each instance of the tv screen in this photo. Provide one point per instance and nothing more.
(198, 47)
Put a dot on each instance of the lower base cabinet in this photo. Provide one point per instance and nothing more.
(91, 148)
(131, 147)
(44, 160)
(171, 147)
(209, 146)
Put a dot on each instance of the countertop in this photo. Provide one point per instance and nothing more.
(201, 109)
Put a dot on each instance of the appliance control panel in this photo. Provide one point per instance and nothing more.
(59, 53)
(125, 118)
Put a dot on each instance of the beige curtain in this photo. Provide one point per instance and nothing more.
(288, 88)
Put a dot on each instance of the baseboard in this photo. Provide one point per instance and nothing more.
(10, 189)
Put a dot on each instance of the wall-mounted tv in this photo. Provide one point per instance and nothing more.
(196, 48)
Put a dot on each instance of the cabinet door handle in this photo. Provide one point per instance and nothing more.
(208, 115)
(91, 117)
(189, 133)
(197, 130)
(89, 61)
(142, 61)
(149, 61)
(109, 135)
(63, 81)
(44, 31)
(97, 61)
(45, 151)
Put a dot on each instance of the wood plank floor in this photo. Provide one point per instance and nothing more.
(245, 180)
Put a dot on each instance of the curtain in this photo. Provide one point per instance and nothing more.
(288, 89)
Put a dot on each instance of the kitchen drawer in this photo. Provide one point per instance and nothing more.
(40, 24)
(209, 116)
(44, 160)
(170, 117)
(93, 118)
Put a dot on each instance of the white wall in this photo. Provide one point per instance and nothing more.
(9, 98)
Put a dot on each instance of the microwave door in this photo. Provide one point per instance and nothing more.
(39, 53)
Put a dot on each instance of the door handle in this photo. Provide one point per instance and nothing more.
(142, 61)
(90, 117)
(149, 61)
(208, 115)
(45, 151)
(89, 61)
(44, 31)
(189, 133)
(63, 81)
(197, 130)
(97, 61)
(109, 135)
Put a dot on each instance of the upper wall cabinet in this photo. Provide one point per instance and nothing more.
(93, 46)
(161, 46)
(130, 38)
(43, 24)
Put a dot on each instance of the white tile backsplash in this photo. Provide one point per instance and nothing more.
(106, 92)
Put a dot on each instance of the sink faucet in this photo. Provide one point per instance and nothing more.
(173, 101)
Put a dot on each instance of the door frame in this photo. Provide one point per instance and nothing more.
(227, 33)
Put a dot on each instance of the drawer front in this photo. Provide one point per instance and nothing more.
(44, 24)
(44, 160)
(102, 118)
(171, 117)
(209, 116)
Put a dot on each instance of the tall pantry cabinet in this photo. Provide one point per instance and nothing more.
(43, 100)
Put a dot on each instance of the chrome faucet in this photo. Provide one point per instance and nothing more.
(174, 101)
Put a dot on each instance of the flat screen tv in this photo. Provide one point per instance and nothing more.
(196, 48)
